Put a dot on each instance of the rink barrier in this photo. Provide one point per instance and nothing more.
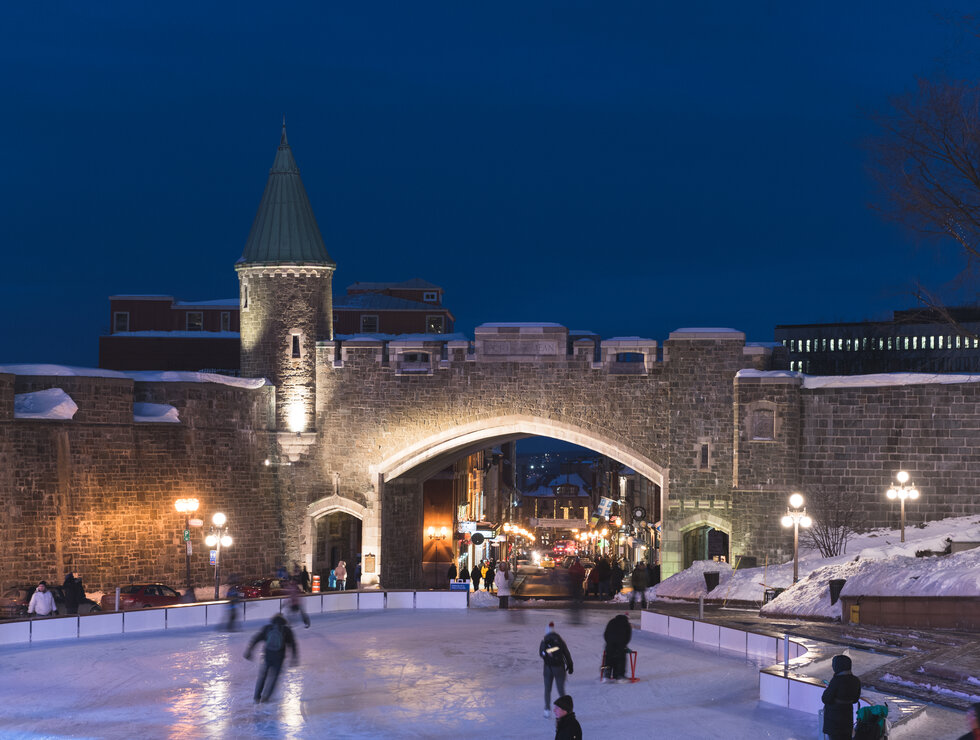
(783, 685)
(215, 613)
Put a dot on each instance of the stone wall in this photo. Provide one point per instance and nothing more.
(96, 494)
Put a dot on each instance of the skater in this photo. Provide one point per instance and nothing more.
(839, 698)
(234, 599)
(296, 603)
(973, 718)
(640, 580)
(566, 726)
(557, 660)
(278, 637)
(340, 572)
(617, 635)
(42, 602)
(502, 580)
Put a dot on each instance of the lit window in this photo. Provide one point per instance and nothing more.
(915, 342)
(957, 342)
(120, 321)
(195, 321)
(244, 296)
(225, 321)
(369, 324)
(435, 325)
(906, 342)
(932, 343)
(807, 345)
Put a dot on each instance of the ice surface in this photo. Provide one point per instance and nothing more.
(52, 403)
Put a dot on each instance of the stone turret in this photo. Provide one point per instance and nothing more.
(284, 278)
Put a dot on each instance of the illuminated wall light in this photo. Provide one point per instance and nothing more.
(297, 417)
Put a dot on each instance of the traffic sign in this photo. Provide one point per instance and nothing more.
(187, 535)
(214, 557)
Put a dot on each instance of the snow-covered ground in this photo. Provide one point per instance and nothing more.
(875, 563)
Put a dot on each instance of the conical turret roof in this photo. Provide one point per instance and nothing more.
(285, 230)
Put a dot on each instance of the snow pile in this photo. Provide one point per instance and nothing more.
(949, 575)
(145, 376)
(483, 599)
(52, 403)
(160, 412)
(877, 380)
(65, 371)
(689, 584)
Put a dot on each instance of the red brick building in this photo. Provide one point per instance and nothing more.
(412, 307)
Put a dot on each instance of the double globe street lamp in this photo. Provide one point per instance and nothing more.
(217, 538)
(902, 492)
(796, 517)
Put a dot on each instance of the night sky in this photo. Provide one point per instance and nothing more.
(627, 168)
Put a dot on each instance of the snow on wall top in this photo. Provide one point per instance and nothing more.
(156, 412)
(705, 330)
(863, 381)
(146, 376)
(179, 334)
(520, 324)
(52, 403)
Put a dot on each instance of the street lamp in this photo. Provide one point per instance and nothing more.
(218, 537)
(902, 492)
(187, 506)
(796, 517)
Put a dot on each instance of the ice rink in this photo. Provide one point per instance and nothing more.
(386, 674)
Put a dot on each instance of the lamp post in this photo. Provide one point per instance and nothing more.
(218, 537)
(796, 517)
(902, 492)
(187, 506)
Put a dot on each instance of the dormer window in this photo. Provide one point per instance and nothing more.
(120, 321)
(430, 296)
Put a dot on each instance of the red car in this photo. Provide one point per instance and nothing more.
(141, 596)
(265, 587)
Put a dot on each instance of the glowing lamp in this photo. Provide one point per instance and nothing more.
(796, 501)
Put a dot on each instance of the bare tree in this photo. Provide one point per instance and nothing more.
(925, 160)
(836, 515)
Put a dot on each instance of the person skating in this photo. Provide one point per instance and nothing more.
(42, 602)
(234, 597)
(618, 633)
(296, 602)
(839, 699)
(502, 581)
(557, 661)
(566, 725)
(277, 636)
(973, 718)
(640, 580)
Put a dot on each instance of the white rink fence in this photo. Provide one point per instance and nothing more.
(214, 613)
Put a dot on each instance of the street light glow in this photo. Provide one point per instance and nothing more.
(186, 505)
(796, 501)
(219, 519)
(902, 477)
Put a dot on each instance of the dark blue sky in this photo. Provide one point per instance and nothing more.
(627, 168)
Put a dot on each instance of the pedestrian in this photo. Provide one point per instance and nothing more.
(604, 575)
(452, 574)
(566, 725)
(616, 577)
(281, 573)
(42, 602)
(341, 574)
(188, 596)
(70, 588)
(592, 584)
(484, 569)
(617, 635)
(356, 583)
(477, 576)
(502, 580)
(234, 597)
(488, 576)
(277, 636)
(576, 572)
(296, 603)
(464, 573)
(839, 698)
(304, 579)
(640, 580)
(973, 718)
(557, 660)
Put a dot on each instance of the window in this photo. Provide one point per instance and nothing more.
(296, 346)
(120, 321)
(244, 296)
(629, 357)
(763, 423)
(369, 324)
(195, 321)
(435, 324)
(225, 321)
(430, 296)
(704, 456)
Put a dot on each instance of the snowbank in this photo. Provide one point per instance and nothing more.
(146, 376)
(159, 412)
(947, 575)
(877, 380)
(689, 584)
(52, 403)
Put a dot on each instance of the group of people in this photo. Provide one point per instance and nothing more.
(481, 573)
(42, 602)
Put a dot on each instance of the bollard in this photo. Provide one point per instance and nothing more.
(786, 652)
(117, 598)
(701, 607)
(316, 585)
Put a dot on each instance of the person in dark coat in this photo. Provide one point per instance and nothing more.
(464, 573)
(74, 593)
(973, 717)
(603, 573)
(488, 576)
(477, 576)
(452, 572)
(304, 579)
(557, 660)
(839, 698)
(277, 636)
(617, 635)
(616, 577)
(576, 572)
(566, 726)
(592, 584)
(640, 580)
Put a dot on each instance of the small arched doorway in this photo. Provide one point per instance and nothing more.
(337, 537)
(705, 543)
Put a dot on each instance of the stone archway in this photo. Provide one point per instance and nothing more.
(333, 531)
(700, 536)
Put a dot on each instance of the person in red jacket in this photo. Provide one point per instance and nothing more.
(973, 717)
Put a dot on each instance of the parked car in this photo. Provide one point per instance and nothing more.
(15, 600)
(263, 587)
(141, 596)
